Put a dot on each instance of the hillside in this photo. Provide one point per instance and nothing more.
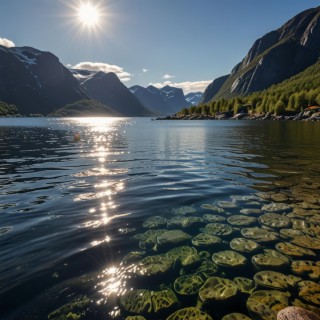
(276, 56)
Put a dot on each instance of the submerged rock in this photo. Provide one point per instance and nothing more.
(309, 291)
(206, 240)
(307, 242)
(172, 237)
(236, 316)
(212, 207)
(275, 220)
(217, 229)
(187, 256)
(137, 301)
(188, 314)
(164, 301)
(213, 218)
(184, 210)
(245, 285)
(259, 235)
(229, 258)
(244, 245)
(265, 304)
(154, 266)
(188, 284)
(275, 280)
(241, 220)
(270, 259)
(293, 250)
(276, 207)
(217, 289)
(307, 268)
(155, 222)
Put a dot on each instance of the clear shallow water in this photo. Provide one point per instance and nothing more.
(68, 208)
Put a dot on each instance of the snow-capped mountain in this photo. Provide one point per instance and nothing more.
(194, 98)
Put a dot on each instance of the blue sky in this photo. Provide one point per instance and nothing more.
(184, 42)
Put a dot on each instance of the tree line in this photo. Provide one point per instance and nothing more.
(291, 95)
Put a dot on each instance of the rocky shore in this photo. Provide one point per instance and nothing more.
(306, 115)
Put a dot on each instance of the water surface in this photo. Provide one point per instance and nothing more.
(70, 209)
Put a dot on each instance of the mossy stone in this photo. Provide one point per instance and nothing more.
(133, 256)
(265, 304)
(217, 229)
(311, 243)
(184, 210)
(153, 266)
(276, 207)
(290, 233)
(212, 207)
(137, 301)
(245, 285)
(236, 316)
(135, 318)
(275, 220)
(309, 291)
(155, 222)
(275, 280)
(148, 239)
(260, 235)
(244, 245)
(307, 268)
(227, 205)
(188, 285)
(293, 250)
(173, 237)
(241, 220)
(188, 314)
(207, 269)
(204, 240)
(270, 259)
(229, 258)
(164, 301)
(212, 218)
(217, 289)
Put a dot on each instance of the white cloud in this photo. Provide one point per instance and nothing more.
(187, 86)
(167, 76)
(105, 67)
(144, 70)
(6, 43)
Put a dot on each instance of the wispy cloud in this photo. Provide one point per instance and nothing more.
(167, 76)
(187, 86)
(6, 43)
(105, 67)
(144, 70)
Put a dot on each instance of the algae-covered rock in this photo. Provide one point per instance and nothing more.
(154, 266)
(244, 245)
(275, 280)
(133, 256)
(245, 285)
(229, 258)
(306, 268)
(279, 197)
(184, 210)
(188, 256)
(155, 222)
(265, 304)
(212, 218)
(227, 205)
(172, 237)
(307, 242)
(207, 269)
(309, 291)
(135, 318)
(137, 301)
(75, 310)
(293, 250)
(259, 235)
(251, 212)
(204, 240)
(299, 303)
(212, 207)
(148, 239)
(164, 301)
(184, 222)
(188, 284)
(236, 316)
(241, 220)
(270, 259)
(290, 233)
(275, 220)
(188, 314)
(217, 289)
(217, 229)
(276, 207)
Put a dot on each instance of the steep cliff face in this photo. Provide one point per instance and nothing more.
(276, 56)
(213, 88)
(109, 90)
(35, 81)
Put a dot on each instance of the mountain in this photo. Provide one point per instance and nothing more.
(213, 88)
(109, 90)
(194, 98)
(167, 100)
(276, 56)
(85, 108)
(35, 81)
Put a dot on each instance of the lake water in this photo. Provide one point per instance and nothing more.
(72, 211)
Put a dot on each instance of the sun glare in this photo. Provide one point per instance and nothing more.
(88, 14)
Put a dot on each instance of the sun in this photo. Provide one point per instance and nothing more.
(89, 15)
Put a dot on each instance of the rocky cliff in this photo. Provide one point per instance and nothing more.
(109, 90)
(276, 56)
(35, 81)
